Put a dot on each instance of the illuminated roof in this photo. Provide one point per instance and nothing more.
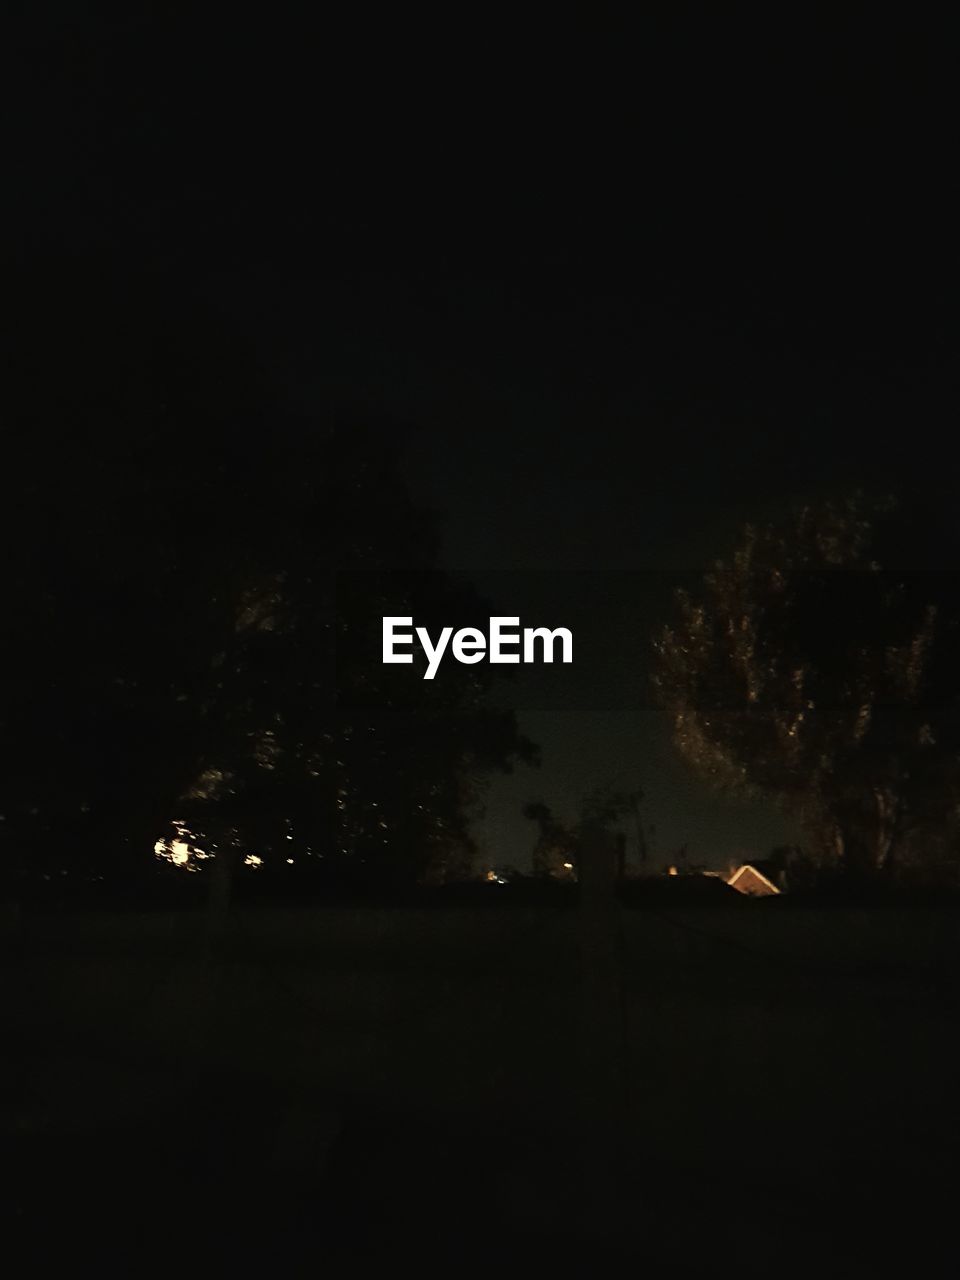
(732, 882)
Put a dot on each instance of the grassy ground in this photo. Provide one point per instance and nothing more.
(358, 1083)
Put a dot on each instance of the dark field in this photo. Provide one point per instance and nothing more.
(386, 1085)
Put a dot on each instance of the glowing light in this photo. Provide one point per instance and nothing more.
(180, 849)
(179, 852)
(253, 860)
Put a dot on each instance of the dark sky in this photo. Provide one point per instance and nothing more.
(623, 294)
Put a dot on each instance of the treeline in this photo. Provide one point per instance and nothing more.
(189, 567)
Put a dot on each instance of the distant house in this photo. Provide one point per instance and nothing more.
(752, 881)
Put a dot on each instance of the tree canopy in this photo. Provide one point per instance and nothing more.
(818, 664)
(189, 562)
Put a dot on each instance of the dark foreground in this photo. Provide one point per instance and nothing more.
(359, 1087)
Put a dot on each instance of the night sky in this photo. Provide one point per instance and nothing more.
(613, 319)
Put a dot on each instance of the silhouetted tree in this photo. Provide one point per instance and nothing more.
(129, 525)
(819, 665)
(412, 755)
(555, 851)
(189, 565)
(795, 869)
